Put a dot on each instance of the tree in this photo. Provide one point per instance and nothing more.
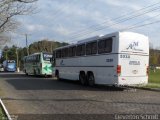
(159, 59)
(44, 46)
(3, 40)
(40, 46)
(11, 8)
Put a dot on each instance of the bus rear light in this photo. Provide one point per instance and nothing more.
(118, 69)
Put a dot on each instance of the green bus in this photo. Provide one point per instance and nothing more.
(38, 64)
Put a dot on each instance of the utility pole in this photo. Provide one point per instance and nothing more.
(17, 56)
(6, 54)
(27, 44)
(51, 47)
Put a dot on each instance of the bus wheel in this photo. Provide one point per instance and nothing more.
(45, 76)
(57, 75)
(26, 72)
(91, 80)
(35, 72)
(82, 78)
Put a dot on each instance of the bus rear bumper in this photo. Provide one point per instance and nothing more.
(133, 81)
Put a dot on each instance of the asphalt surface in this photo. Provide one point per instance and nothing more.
(38, 98)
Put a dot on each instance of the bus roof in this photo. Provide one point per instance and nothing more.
(38, 53)
(97, 38)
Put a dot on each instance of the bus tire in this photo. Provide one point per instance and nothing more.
(57, 74)
(35, 72)
(38, 73)
(82, 78)
(45, 75)
(90, 79)
(26, 72)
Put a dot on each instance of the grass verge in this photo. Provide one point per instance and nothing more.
(2, 114)
(154, 79)
(152, 85)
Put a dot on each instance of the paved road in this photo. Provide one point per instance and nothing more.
(33, 97)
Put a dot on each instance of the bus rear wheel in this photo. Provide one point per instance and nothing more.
(35, 73)
(57, 75)
(82, 78)
(91, 80)
(26, 72)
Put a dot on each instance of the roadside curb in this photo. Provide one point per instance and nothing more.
(5, 110)
(149, 89)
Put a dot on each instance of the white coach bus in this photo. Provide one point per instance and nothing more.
(120, 58)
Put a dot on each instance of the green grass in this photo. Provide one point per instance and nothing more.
(152, 85)
(2, 115)
(154, 77)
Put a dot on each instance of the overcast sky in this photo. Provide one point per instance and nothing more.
(72, 20)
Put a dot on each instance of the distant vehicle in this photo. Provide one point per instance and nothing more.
(1, 68)
(38, 64)
(120, 58)
(9, 65)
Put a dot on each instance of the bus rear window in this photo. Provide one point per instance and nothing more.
(105, 46)
(47, 57)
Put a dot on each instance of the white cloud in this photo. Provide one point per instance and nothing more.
(122, 3)
(59, 19)
(33, 28)
(61, 30)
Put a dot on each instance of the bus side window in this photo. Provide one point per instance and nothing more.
(58, 54)
(53, 56)
(62, 53)
(80, 50)
(53, 59)
(108, 47)
(34, 58)
(28, 59)
(37, 58)
(94, 47)
(66, 52)
(74, 51)
(105, 46)
(70, 52)
(88, 48)
(91, 48)
(101, 46)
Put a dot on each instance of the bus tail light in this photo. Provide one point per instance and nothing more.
(118, 69)
(147, 70)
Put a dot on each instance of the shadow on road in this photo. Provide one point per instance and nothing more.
(11, 75)
(23, 82)
(82, 100)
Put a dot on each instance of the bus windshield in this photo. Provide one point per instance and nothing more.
(11, 61)
(47, 56)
